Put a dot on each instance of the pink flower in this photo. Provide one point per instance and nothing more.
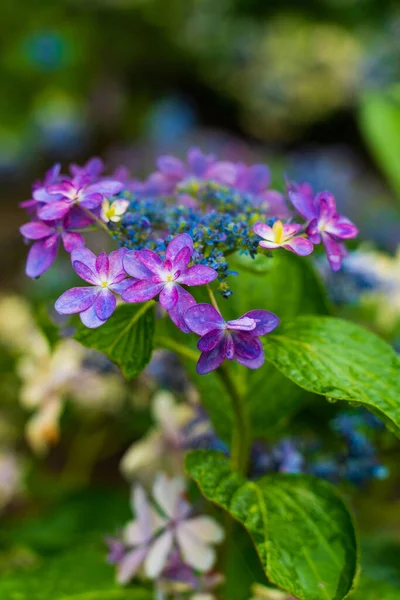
(97, 302)
(234, 340)
(283, 236)
(165, 277)
(325, 224)
(59, 198)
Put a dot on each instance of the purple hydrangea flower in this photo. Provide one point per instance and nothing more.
(283, 236)
(47, 236)
(165, 277)
(106, 275)
(325, 224)
(173, 174)
(59, 198)
(234, 340)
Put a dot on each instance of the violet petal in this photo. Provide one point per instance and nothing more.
(299, 245)
(36, 230)
(178, 312)
(203, 318)
(41, 256)
(76, 300)
(182, 240)
(134, 266)
(86, 272)
(141, 291)
(197, 275)
(54, 210)
(210, 340)
(105, 304)
(169, 296)
(265, 321)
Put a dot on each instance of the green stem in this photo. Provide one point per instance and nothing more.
(176, 347)
(98, 221)
(213, 299)
(241, 432)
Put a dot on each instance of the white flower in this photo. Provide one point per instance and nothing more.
(193, 537)
(162, 448)
(113, 211)
(138, 535)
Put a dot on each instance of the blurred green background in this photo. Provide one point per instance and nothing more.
(309, 87)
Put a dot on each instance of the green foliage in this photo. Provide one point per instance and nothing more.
(76, 574)
(67, 543)
(341, 360)
(300, 526)
(126, 338)
(368, 589)
(285, 285)
(380, 124)
(90, 513)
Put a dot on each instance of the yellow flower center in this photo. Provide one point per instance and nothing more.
(277, 228)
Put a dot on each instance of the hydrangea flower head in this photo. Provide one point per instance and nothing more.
(283, 236)
(325, 224)
(174, 176)
(234, 340)
(166, 277)
(106, 276)
(46, 236)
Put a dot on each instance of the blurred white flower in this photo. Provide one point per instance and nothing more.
(46, 376)
(165, 542)
(162, 449)
(193, 537)
(137, 536)
(10, 477)
(113, 211)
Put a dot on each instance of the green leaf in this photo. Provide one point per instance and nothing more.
(81, 573)
(380, 123)
(126, 338)
(341, 360)
(368, 589)
(300, 526)
(285, 284)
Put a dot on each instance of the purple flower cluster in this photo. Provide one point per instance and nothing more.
(60, 207)
(176, 230)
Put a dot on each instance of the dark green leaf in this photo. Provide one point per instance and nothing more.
(301, 528)
(126, 338)
(80, 573)
(341, 360)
